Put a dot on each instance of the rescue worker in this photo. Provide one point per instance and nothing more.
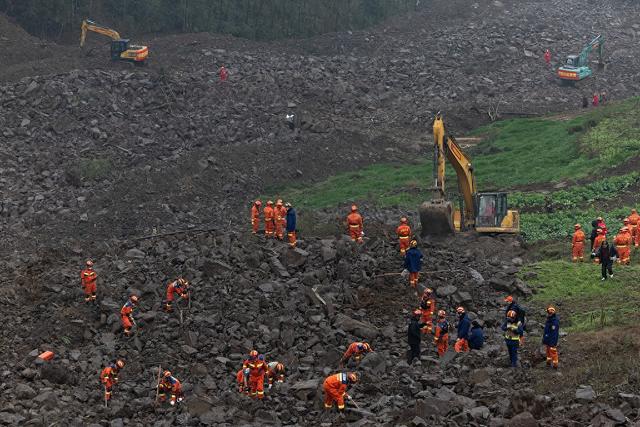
(109, 377)
(596, 99)
(291, 220)
(547, 57)
(255, 216)
(413, 263)
(622, 241)
(594, 233)
(178, 287)
(513, 330)
(634, 221)
(606, 255)
(242, 378)
(463, 327)
(269, 217)
(577, 244)
(602, 225)
(88, 280)
(170, 384)
(275, 373)
(257, 370)
(357, 350)
(476, 337)
(404, 235)
(600, 237)
(442, 333)
(428, 308)
(126, 314)
(335, 389)
(224, 74)
(414, 336)
(603, 97)
(280, 219)
(550, 337)
(354, 222)
(521, 314)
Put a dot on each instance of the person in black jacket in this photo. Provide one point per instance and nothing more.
(414, 336)
(607, 254)
(594, 233)
(476, 337)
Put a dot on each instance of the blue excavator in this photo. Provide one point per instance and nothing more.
(577, 66)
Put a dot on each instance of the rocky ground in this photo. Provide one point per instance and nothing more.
(100, 160)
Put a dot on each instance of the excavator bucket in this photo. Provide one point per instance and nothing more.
(436, 217)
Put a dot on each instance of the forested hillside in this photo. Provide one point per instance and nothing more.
(255, 19)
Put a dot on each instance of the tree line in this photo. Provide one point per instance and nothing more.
(253, 19)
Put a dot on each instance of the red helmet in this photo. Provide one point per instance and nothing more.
(89, 263)
(511, 314)
(354, 208)
(403, 220)
(133, 299)
(258, 203)
(120, 363)
(417, 312)
(166, 374)
(508, 299)
(352, 377)
(442, 313)
(279, 367)
(460, 310)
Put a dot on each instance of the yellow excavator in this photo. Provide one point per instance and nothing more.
(121, 50)
(482, 212)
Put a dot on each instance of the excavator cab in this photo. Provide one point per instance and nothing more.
(493, 214)
(117, 47)
(572, 60)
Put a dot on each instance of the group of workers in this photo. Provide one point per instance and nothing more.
(167, 383)
(277, 219)
(602, 251)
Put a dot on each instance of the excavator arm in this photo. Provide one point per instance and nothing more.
(88, 25)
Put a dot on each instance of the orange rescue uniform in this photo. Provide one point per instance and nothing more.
(596, 245)
(404, 237)
(88, 278)
(335, 388)
(269, 226)
(109, 377)
(577, 246)
(442, 337)
(257, 370)
(255, 218)
(280, 221)
(354, 221)
(623, 245)
(126, 317)
(427, 308)
(354, 351)
(634, 223)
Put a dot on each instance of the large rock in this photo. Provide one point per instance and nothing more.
(432, 406)
(502, 285)
(305, 390)
(294, 257)
(445, 291)
(356, 327)
(23, 391)
(523, 419)
(376, 362)
(585, 393)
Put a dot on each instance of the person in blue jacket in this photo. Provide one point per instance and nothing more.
(513, 331)
(550, 337)
(413, 263)
(476, 337)
(291, 225)
(463, 327)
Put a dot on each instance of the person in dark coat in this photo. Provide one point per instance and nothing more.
(607, 254)
(463, 327)
(594, 232)
(414, 336)
(413, 263)
(550, 337)
(291, 225)
(476, 336)
(521, 314)
(512, 333)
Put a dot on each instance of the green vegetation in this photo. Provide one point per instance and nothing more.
(256, 19)
(584, 302)
(94, 169)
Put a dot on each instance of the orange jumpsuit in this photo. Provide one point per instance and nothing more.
(596, 245)
(255, 218)
(272, 375)
(404, 237)
(109, 377)
(280, 221)
(257, 370)
(240, 381)
(88, 278)
(354, 351)
(623, 245)
(171, 385)
(354, 221)
(634, 221)
(442, 336)
(577, 246)
(173, 289)
(427, 307)
(269, 226)
(335, 388)
(126, 317)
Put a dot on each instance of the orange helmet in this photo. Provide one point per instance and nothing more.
(551, 310)
(258, 203)
(89, 263)
(577, 226)
(352, 377)
(414, 243)
(279, 202)
(354, 208)
(403, 220)
(120, 363)
(279, 367)
(508, 299)
(442, 313)
(427, 291)
(253, 354)
(625, 221)
(133, 299)
(625, 228)
(511, 314)
(460, 310)
(182, 281)
(166, 374)
(417, 312)
(269, 203)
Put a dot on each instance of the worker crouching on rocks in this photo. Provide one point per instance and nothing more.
(463, 327)
(109, 377)
(476, 337)
(356, 350)
(513, 330)
(335, 389)
(170, 384)
(126, 314)
(179, 287)
(550, 337)
(275, 373)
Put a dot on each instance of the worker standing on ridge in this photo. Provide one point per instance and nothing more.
(428, 308)
(413, 264)
(441, 338)
(355, 224)
(88, 280)
(280, 219)
(109, 377)
(577, 244)
(335, 389)
(600, 238)
(463, 327)
(547, 57)
(476, 337)
(513, 330)
(521, 314)
(257, 370)
(126, 314)
(404, 235)
(634, 221)
(269, 216)
(357, 350)
(178, 287)
(550, 337)
(291, 219)
(275, 373)
(170, 384)
(224, 74)
(255, 216)
(623, 245)
(606, 255)
(414, 336)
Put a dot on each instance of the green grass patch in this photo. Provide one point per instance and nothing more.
(94, 169)
(585, 302)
